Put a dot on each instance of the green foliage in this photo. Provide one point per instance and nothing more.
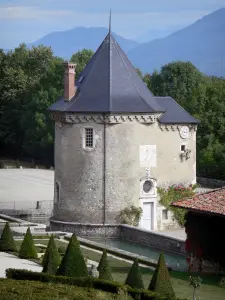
(20, 290)
(222, 282)
(87, 282)
(131, 215)
(27, 249)
(7, 242)
(51, 245)
(103, 268)
(51, 263)
(73, 263)
(174, 193)
(134, 277)
(204, 98)
(81, 58)
(160, 282)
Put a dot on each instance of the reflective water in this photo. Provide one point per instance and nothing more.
(176, 262)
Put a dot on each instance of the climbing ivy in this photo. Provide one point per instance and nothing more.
(174, 193)
(131, 215)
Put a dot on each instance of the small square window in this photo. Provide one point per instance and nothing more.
(89, 137)
(165, 214)
(183, 148)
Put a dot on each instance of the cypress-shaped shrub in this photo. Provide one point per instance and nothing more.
(134, 277)
(27, 249)
(103, 268)
(73, 264)
(52, 245)
(51, 262)
(160, 282)
(7, 242)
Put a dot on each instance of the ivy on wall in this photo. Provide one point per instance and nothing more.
(131, 215)
(174, 193)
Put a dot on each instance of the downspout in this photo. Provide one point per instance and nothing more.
(104, 169)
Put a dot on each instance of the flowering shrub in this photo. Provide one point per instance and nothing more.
(174, 193)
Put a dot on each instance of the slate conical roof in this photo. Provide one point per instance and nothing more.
(110, 84)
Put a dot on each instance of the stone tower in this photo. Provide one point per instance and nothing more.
(115, 143)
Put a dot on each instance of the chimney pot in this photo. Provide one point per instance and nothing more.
(69, 80)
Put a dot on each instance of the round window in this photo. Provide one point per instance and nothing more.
(147, 186)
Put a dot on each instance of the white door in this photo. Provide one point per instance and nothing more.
(147, 215)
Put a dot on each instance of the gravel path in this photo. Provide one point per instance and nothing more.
(10, 261)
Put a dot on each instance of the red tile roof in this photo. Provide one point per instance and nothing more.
(212, 202)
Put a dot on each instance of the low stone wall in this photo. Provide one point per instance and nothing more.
(209, 182)
(91, 230)
(125, 232)
(149, 238)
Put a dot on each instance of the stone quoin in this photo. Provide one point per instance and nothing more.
(115, 143)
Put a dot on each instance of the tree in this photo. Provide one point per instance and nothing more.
(134, 277)
(7, 242)
(160, 282)
(103, 267)
(27, 249)
(51, 262)
(73, 264)
(81, 58)
(51, 245)
(195, 282)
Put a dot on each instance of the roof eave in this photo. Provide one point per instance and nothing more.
(197, 210)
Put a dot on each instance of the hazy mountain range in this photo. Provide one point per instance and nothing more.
(65, 43)
(202, 43)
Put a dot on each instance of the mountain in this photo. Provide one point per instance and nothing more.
(202, 43)
(154, 33)
(65, 43)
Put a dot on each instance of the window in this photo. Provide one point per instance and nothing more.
(165, 214)
(57, 192)
(147, 186)
(89, 137)
(183, 148)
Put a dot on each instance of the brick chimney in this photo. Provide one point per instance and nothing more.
(69, 81)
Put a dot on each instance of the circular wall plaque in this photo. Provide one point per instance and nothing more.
(147, 186)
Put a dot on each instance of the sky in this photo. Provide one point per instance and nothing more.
(28, 20)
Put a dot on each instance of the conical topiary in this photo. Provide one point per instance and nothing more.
(27, 249)
(52, 245)
(73, 264)
(7, 242)
(160, 282)
(51, 262)
(134, 277)
(103, 268)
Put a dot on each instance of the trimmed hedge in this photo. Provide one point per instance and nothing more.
(134, 277)
(7, 242)
(28, 249)
(73, 263)
(103, 268)
(160, 282)
(52, 245)
(88, 282)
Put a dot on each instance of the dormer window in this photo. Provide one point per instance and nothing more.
(89, 143)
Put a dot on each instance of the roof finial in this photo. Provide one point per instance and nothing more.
(110, 21)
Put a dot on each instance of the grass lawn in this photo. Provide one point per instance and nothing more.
(33, 290)
(209, 290)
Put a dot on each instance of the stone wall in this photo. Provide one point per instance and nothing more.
(149, 238)
(86, 230)
(125, 232)
(209, 182)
